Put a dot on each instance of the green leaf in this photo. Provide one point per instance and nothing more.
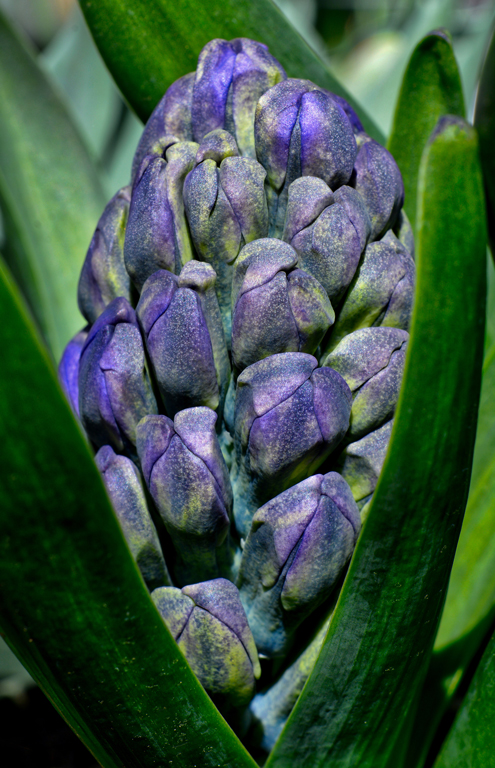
(470, 740)
(470, 605)
(72, 604)
(484, 120)
(366, 679)
(431, 88)
(147, 44)
(49, 191)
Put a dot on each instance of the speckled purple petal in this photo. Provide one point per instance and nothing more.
(211, 87)
(178, 342)
(378, 179)
(288, 417)
(189, 482)
(230, 79)
(114, 389)
(123, 483)
(157, 236)
(308, 197)
(277, 308)
(171, 117)
(220, 632)
(103, 276)
(351, 114)
(328, 146)
(384, 282)
(68, 369)
(298, 544)
(361, 463)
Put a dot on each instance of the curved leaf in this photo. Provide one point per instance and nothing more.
(147, 44)
(431, 88)
(72, 604)
(484, 120)
(49, 191)
(366, 679)
(470, 605)
(470, 740)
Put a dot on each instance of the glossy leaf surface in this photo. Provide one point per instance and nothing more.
(484, 120)
(72, 603)
(431, 88)
(147, 44)
(367, 676)
(470, 743)
(49, 191)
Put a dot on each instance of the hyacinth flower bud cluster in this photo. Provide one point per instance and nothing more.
(247, 300)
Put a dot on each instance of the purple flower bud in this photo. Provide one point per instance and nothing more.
(103, 276)
(289, 415)
(330, 242)
(230, 79)
(68, 369)
(188, 479)
(124, 486)
(157, 235)
(181, 324)
(114, 389)
(169, 123)
(226, 207)
(372, 363)
(377, 178)
(360, 463)
(297, 547)
(354, 120)
(209, 624)
(381, 293)
(277, 308)
(301, 130)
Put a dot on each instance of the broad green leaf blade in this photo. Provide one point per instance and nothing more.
(484, 120)
(431, 88)
(471, 740)
(147, 44)
(470, 605)
(49, 191)
(366, 679)
(72, 604)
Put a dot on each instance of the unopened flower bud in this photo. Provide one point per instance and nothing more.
(330, 242)
(360, 463)
(104, 276)
(169, 123)
(226, 207)
(381, 293)
(297, 547)
(377, 178)
(230, 78)
(371, 361)
(289, 416)
(68, 369)
(276, 307)
(301, 130)
(181, 324)
(123, 483)
(157, 236)
(209, 624)
(188, 479)
(114, 389)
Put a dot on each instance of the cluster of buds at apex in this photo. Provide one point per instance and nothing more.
(248, 298)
